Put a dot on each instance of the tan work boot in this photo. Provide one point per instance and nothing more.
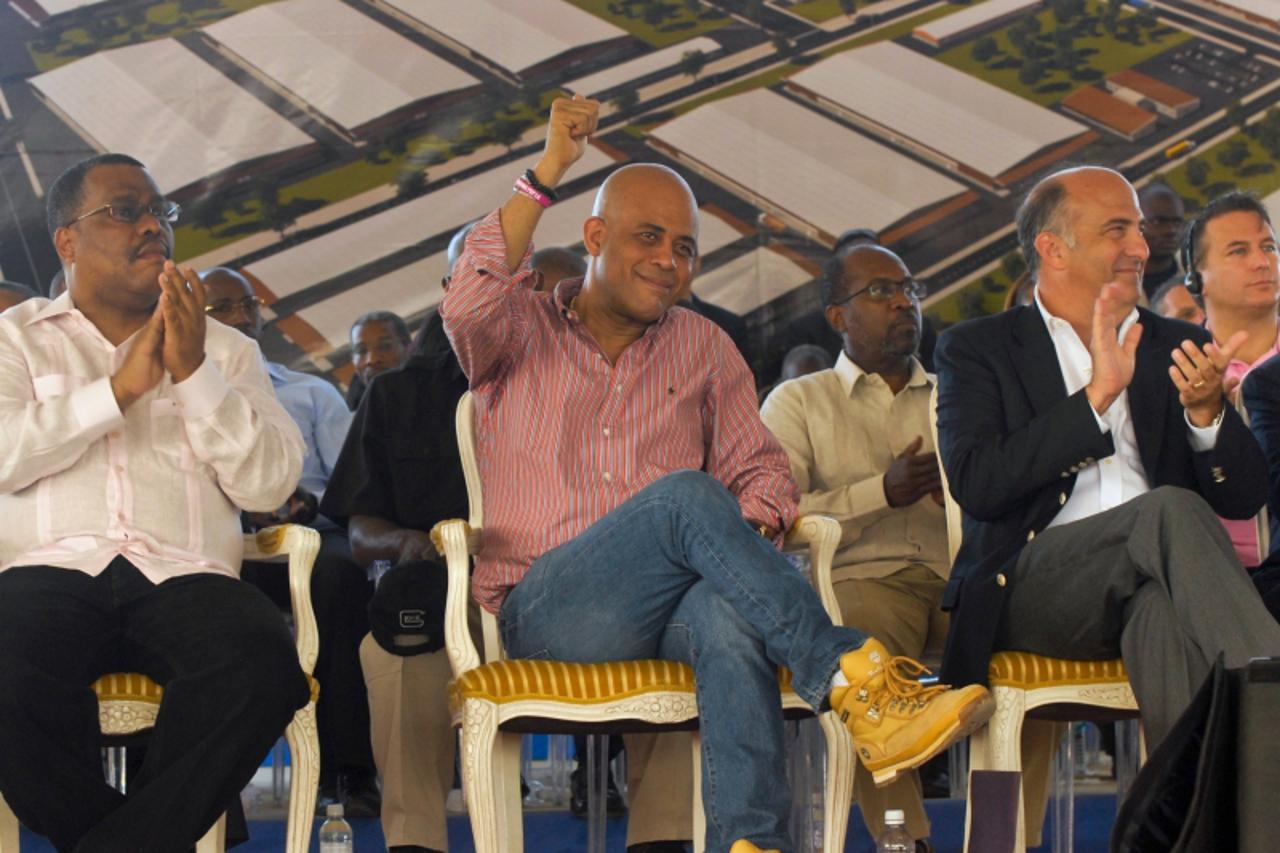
(896, 722)
(744, 846)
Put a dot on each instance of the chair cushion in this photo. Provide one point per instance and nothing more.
(1028, 671)
(135, 687)
(575, 683)
(127, 687)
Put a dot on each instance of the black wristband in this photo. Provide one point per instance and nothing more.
(540, 186)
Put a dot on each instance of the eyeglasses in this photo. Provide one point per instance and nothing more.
(228, 306)
(128, 212)
(1163, 222)
(883, 289)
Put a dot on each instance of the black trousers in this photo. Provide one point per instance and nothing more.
(340, 592)
(231, 685)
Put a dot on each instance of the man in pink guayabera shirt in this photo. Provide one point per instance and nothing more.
(135, 433)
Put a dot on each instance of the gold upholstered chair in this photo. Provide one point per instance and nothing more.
(128, 702)
(1027, 686)
(496, 700)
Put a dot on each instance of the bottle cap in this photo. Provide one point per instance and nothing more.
(891, 816)
(335, 810)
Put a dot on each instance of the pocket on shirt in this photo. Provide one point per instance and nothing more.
(53, 385)
(169, 434)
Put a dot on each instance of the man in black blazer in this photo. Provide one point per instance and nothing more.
(1090, 448)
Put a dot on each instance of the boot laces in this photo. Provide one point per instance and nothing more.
(902, 682)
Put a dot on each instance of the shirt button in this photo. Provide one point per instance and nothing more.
(608, 478)
(618, 387)
(606, 432)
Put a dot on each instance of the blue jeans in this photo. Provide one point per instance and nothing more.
(675, 573)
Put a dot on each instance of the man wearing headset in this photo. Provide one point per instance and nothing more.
(1229, 254)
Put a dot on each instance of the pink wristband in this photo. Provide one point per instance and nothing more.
(526, 189)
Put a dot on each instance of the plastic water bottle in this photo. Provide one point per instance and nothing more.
(335, 833)
(895, 838)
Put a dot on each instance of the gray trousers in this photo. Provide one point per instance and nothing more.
(1155, 581)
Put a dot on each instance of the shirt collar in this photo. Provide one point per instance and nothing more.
(278, 372)
(568, 288)
(61, 305)
(1056, 325)
(848, 372)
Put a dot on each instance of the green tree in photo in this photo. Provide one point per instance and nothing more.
(692, 62)
(626, 99)
(1197, 171)
(985, 49)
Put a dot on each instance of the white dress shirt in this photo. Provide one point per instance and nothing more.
(1115, 479)
(162, 483)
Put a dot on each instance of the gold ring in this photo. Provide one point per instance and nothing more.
(1199, 383)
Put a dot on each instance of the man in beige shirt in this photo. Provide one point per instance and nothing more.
(860, 447)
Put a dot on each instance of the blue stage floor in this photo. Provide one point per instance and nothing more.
(558, 832)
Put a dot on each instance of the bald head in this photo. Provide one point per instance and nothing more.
(1080, 230)
(643, 241)
(229, 298)
(636, 183)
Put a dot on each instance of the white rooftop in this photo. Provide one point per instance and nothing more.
(514, 34)
(57, 7)
(1268, 9)
(639, 67)
(973, 16)
(958, 115)
(805, 163)
(750, 280)
(167, 107)
(415, 287)
(302, 266)
(344, 63)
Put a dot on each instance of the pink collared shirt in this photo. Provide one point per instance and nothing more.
(564, 437)
(1244, 534)
(162, 483)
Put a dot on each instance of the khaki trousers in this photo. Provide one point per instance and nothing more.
(903, 611)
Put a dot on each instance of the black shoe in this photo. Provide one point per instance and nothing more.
(659, 847)
(360, 795)
(614, 806)
(326, 796)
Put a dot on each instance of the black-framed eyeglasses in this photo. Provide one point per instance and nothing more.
(129, 212)
(228, 306)
(884, 289)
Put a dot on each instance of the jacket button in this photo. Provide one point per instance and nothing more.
(1001, 580)
(1031, 534)
(1062, 499)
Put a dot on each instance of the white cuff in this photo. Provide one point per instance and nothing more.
(1204, 438)
(201, 392)
(95, 407)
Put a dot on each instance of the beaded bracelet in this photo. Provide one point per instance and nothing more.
(526, 189)
(540, 186)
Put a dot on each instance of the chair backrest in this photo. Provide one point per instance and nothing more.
(955, 527)
(465, 425)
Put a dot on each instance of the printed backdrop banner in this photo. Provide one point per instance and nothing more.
(330, 148)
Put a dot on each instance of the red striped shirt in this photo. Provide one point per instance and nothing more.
(563, 437)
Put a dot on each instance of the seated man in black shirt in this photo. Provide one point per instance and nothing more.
(398, 474)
